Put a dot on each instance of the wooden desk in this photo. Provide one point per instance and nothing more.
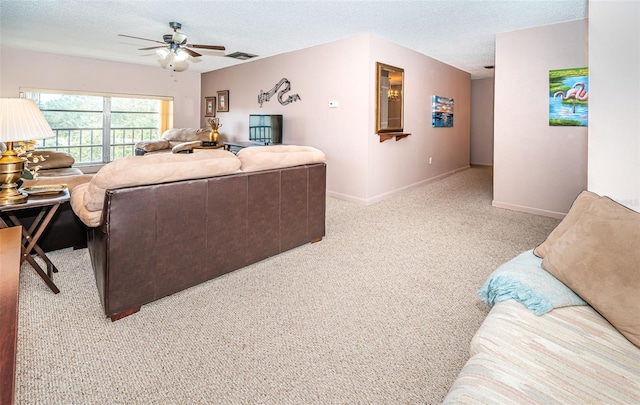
(10, 249)
(48, 206)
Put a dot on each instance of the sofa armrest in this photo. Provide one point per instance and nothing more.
(185, 146)
(89, 218)
(153, 145)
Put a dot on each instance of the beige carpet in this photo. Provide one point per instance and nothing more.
(381, 311)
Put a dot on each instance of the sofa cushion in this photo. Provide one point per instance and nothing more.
(598, 257)
(579, 206)
(154, 169)
(54, 159)
(153, 145)
(256, 158)
(570, 355)
(186, 134)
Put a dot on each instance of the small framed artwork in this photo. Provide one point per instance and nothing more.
(223, 101)
(442, 112)
(209, 106)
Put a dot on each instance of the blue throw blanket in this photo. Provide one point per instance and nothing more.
(523, 279)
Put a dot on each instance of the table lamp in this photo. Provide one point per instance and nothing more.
(20, 120)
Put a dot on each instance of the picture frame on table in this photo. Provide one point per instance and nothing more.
(209, 106)
(223, 101)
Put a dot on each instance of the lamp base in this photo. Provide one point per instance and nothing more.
(11, 167)
(10, 195)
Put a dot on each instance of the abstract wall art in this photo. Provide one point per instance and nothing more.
(442, 112)
(569, 97)
(266, 96)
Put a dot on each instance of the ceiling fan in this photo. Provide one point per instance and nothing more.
(175, 50)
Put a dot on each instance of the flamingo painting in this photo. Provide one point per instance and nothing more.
(574, 93)
(568, 86)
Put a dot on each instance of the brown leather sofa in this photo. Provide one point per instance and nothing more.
(154, 240)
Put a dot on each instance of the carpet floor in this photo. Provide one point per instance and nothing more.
(381, 311)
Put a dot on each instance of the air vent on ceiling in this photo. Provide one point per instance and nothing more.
(241, 55)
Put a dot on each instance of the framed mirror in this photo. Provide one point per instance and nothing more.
(389, 98)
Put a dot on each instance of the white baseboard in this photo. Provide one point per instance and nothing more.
(528, 210)
(384, 196)
(346, 197)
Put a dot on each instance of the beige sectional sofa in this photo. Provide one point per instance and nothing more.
(173, 140)
(583, 349)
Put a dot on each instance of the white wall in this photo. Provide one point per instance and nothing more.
(19, 68)
(482, 122)
(360, 168)
(537, 168)
(614, 105)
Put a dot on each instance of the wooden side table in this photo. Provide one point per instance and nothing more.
(48, 205)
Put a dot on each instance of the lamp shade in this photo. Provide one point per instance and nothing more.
(22, 120)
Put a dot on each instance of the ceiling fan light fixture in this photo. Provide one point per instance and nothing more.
(181, 55)
(163, 52)
(179, 38)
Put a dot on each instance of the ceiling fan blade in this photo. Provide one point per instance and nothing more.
(152, 47)
(213, 47)
(144, 39)
(191, 52)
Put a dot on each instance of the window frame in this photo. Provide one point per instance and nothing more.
(165, 114)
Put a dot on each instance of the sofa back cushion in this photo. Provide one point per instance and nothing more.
(178, 135)
(54, 159)
(158, 168)
(256, 158)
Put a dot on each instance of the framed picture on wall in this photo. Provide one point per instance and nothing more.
(223, 101)
(209, 106)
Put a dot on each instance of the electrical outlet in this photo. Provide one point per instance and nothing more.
(430, 159)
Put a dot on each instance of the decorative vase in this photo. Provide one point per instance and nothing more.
(214, 136)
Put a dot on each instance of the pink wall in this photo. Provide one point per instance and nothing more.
(482, 122)
(394, 166)
(19, 68)
(360, 168)
(537, 168)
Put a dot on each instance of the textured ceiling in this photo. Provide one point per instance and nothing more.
(459, 33)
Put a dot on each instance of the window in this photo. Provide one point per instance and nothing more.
(100, 128)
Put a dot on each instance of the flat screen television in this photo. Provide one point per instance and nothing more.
(265, 128)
